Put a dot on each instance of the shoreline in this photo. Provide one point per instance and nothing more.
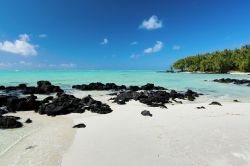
(199, 72)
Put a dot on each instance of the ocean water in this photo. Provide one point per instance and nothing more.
(177, 81)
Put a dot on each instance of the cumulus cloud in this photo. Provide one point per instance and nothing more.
(105, 41)
(152, 23)
(156, 48)
(20, 46)
(42, 35)
(176, 47)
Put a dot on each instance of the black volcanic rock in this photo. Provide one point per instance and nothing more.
(43, 87)
(65, 104)
(81, 125)
(113, 86)
(9, 122)
(234, 81)
(215, 103)
(14, 103)
(28, 120)
(146, 113)
(153, 98)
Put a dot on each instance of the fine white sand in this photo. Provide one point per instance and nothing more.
(40, 143)
(181, 135)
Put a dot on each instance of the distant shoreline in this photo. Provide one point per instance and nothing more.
(200, 72)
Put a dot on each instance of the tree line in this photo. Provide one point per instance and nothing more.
(217, 62)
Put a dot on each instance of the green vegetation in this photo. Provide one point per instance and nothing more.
(217, 62)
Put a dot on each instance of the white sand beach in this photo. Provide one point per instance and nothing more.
(181, 135)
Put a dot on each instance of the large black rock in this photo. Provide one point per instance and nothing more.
(43, 87)
(14, 103)
(65, 104)
(234, 81)
(9, 122)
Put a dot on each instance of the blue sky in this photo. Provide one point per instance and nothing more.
(124, 34)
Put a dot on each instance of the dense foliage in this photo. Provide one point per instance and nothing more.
(219, 61)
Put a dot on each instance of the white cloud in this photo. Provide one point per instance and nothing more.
(134, 43)
(152, 23)
(176, 47)
(156, 48)
(134, 56)
(42, 35)
(20, 46)
(105, 41)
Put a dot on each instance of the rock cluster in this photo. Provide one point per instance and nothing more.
(43, 87)
(234, 81)
(9, 122)
(153, 98)
(65, 104)
(13, 103)
(113, 86)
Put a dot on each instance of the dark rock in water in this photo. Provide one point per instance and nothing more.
(2, 87)
(28, 120)
(234, 81)
(43, 87)
(81, 125)
(202, 107)
(65, 104)
(215, 103)
(236, 101)
(113, 86)
(146, 113)
(98, 86)
(134, 88)
(9, 122)
(191, 95)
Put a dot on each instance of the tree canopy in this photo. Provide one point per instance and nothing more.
(217, 62)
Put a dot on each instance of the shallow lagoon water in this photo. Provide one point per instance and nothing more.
(177, 81)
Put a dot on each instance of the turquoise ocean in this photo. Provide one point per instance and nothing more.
(177, 81)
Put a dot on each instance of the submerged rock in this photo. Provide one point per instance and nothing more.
(81, 125)
(146, 113)
(9, 122)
